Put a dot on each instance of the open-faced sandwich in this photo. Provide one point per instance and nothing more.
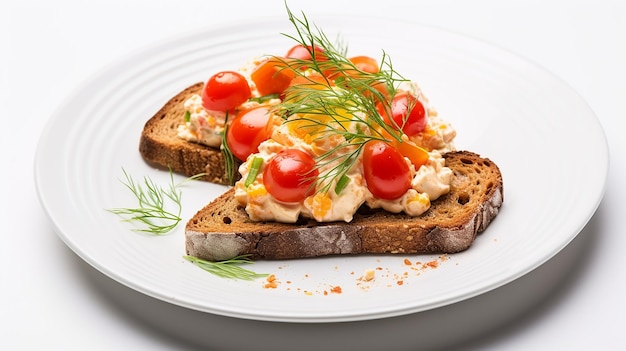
(327, 153)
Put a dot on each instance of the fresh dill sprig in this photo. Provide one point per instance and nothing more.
(230, 163)
(345, 106)
(151, 211)
(228, 268)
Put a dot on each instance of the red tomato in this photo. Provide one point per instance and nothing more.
(401, 105)
(290, 175)
(247, 130)
(224, 91)
(386, 172)
(302, 52)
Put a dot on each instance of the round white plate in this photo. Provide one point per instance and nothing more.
(550, 148)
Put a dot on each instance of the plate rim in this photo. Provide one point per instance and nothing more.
(146, 48)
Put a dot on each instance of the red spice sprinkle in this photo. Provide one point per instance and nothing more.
(336, 289)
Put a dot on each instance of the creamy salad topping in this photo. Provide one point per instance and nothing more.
(428, 182)
(329, 140)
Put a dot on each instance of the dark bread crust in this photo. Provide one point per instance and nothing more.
(222, 229)
(160, 145)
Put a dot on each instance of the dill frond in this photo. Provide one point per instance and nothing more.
(153, 200)
(228, 268)
(326, 107)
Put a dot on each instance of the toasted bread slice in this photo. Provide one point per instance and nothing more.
(222, 229)
(161, 146)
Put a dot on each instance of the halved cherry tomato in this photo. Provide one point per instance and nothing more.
(386, 173)
(365, 63)
(272, 76)
(224, 91)
(247, 130)
(407, 113)
(290, 175)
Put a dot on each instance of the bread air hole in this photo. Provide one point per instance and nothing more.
(463, 198)
(227, 220)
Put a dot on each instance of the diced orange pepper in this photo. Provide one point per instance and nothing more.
(417, 155)
(272, 76)
(313, 81)
(365, 63)
(362, 63)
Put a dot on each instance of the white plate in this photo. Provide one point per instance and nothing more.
(548, 144)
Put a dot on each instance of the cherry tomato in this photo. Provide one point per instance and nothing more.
(302, 52)
(365, 63)
(272, 76)
(386, 172)
(224, 91)
(290, 175)
(247, 130)
(401, 105)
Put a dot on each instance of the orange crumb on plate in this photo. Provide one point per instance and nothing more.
(271, 282)
(336, 289)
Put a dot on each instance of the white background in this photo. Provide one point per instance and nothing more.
(51, 299)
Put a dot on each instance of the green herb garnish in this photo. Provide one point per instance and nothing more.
(264, 98)
(151, 211)
(230, 162)
(255, 166)
(348, 107)
(228, 268)
(187, 116)
(341, 184)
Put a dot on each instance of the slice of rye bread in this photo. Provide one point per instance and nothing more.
(160, 145)
(222, 229)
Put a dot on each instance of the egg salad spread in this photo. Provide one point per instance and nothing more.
(319, 135)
